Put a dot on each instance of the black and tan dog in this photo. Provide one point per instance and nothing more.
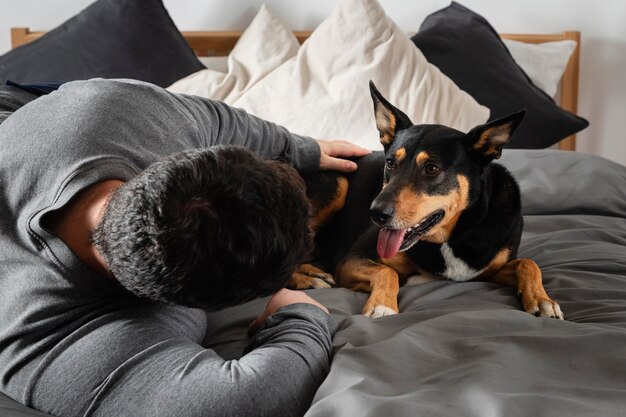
(444, 212)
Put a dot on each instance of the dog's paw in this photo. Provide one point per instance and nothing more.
(315, 282)
(380, 304)
(542, 307)
(307, 276)
(379, 311)
(327, 279)
(305, 282)
(550, 309)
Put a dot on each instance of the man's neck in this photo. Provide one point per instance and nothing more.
(75, 222)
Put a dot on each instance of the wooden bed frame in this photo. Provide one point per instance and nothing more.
(220, 43)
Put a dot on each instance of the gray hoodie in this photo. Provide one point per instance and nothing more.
(74, 344)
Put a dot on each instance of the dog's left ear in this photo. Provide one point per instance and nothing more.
(488, 140)
(389, 119)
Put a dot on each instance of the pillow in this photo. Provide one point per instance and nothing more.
(468, 50)
(110, 39)
(544, 63)
(265, 45)
(11, 99)
(215, 63)
(323, 91)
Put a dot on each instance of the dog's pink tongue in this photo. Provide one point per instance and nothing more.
(389, 242)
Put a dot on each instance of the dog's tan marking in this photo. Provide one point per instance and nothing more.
(422, 157)
(525, 275)
(482, 140)
(407, 207)
(308, 276)
(493, 139)
(322, 215)
(402, 264)
(400, 154)
(386, 124)
(379, 280)
(411, 208)
(443, 230)
(498, 261)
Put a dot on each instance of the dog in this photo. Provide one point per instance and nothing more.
(431, 206)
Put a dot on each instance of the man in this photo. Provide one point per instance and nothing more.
(119, 218)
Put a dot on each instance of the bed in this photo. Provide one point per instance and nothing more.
(465, 349)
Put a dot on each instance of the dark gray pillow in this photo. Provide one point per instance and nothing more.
(11, 99)
(464, 46)
(110, 39)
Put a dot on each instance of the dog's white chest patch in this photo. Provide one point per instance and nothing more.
(456, 268)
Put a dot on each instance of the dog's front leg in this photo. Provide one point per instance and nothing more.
(380, 281)
(525, 275)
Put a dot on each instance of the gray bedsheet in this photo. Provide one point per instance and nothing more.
(466, 349)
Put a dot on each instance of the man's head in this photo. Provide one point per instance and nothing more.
(207, 228)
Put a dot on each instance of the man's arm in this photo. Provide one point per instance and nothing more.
(220, 124)
(133, 362)
(279, 377)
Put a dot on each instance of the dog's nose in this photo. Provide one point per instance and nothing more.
(381, 213)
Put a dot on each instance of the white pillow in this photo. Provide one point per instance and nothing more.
(263, 46)
(323, 91)
(216, 63)
(544, 63)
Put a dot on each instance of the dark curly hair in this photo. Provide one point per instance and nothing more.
(206, 228)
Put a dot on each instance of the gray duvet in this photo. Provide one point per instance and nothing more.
(467, 349)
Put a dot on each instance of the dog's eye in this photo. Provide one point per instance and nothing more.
(390, 164)
(431, 169)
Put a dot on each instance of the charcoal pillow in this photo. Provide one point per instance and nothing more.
(11, 99)
(110, 39)
(464, 46)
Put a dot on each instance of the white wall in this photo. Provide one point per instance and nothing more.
(602, 93)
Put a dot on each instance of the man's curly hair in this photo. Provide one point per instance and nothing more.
(206, 228)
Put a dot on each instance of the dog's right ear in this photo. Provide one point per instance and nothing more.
(389, 120)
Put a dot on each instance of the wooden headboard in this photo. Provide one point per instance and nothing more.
(216, 43)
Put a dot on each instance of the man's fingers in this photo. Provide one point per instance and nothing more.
(343, 148)
(332, 152)
(336, 164)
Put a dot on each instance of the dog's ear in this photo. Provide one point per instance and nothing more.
(389, 120)
(487, 140)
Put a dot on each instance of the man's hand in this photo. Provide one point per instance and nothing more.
(282, 298)
(332, 152)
